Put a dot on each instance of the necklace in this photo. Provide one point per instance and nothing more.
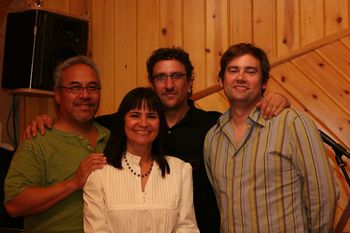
(134, 172)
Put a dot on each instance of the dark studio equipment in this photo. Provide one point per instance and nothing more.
(35, 42)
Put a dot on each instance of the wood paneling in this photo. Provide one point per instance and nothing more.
(204, 28)
(311, 21)
(171, 23)
(287, 26)
(264, 25)
(311, 65)
(240, 21)
(103, 49)
(148, 36)
(125, 43)
(336, 15)
(194, 32)
(217, 38)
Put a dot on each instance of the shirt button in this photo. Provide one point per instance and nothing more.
(169, 131)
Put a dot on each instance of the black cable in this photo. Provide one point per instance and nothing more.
(13, 139)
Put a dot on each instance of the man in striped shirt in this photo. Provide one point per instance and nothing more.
(268, 175)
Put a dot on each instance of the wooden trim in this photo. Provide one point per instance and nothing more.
(278, 61)
(208, 91)
(310, 47)
(84, 17)
(32, 92)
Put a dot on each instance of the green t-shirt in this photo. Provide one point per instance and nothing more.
(47, 160)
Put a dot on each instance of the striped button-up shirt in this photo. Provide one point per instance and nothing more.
(276, 179)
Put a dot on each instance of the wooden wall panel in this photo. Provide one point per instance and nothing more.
(326, 78)
(217, 37)
(318, 103)
(59, 5)
(204, 28)
(337, 55)
(311, 21)
(264, 25)
(103, 50)
(240, 21)
(171, 23)
(125, 32)
(287, 26)
(216, 102)
(274, 86)
(148, 35)
(336, 15)
(194, 33)
(125, 50)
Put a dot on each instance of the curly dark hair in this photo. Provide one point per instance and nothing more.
(176, 53)
(241, 49)
(116, 145)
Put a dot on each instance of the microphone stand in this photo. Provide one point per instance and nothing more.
(339, 151)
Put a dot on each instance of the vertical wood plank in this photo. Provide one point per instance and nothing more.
(194, 39)
(287, 31)
(79, 8)
(148, 35)
(336, 15)
(103, 40)
(264, 26)
(171, 24)
(125, 49)
(57, 5)
(217, 37)
(240, 21)
(312, 20)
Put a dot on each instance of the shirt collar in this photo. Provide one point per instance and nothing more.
(254, 118)
(187, 119)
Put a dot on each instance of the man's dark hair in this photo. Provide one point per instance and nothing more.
(241, 49)
(176, 53)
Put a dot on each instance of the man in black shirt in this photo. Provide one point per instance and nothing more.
(170, 73)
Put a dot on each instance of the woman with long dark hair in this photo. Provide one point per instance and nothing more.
(141, 189)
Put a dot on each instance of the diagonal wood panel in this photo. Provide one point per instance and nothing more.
(337, 54)
(326, 77)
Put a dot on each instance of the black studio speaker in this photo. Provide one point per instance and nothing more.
(35, 42)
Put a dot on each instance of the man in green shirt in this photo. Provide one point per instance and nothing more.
(46, 176)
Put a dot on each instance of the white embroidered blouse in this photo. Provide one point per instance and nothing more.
(114, 201)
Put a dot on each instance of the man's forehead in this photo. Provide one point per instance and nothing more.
(79, 73)
(246, 60)
(78, 82)
(169, 64)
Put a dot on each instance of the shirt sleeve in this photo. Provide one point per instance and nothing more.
(27, 169)
(95, 217)
(320, 191)
(206, 154)
(187, 219)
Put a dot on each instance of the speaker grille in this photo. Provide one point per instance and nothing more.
(36, 41)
